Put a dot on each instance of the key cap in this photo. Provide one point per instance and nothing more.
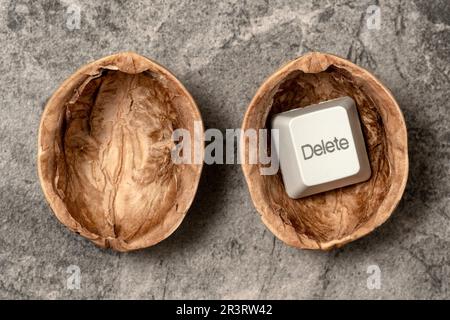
(321, 147)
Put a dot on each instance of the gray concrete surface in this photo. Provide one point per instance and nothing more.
(222, 52)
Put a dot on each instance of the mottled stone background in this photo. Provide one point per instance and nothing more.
(222, 51)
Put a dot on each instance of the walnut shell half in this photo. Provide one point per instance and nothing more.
(333, 218)
(104, 153)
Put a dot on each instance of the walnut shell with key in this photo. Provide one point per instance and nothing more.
(333, 218)
(104, 153)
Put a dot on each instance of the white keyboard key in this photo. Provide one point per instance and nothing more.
(321, 147)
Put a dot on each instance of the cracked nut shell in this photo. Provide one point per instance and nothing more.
(334, 218)
(104, 153)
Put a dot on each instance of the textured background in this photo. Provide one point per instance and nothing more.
(222, 52)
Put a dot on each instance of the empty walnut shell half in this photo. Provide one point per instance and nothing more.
(336, 217)
(104, 153)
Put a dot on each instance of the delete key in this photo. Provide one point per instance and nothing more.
(321, 147)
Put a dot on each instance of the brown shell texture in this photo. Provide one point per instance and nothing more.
(334, 218)
(104, 154)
